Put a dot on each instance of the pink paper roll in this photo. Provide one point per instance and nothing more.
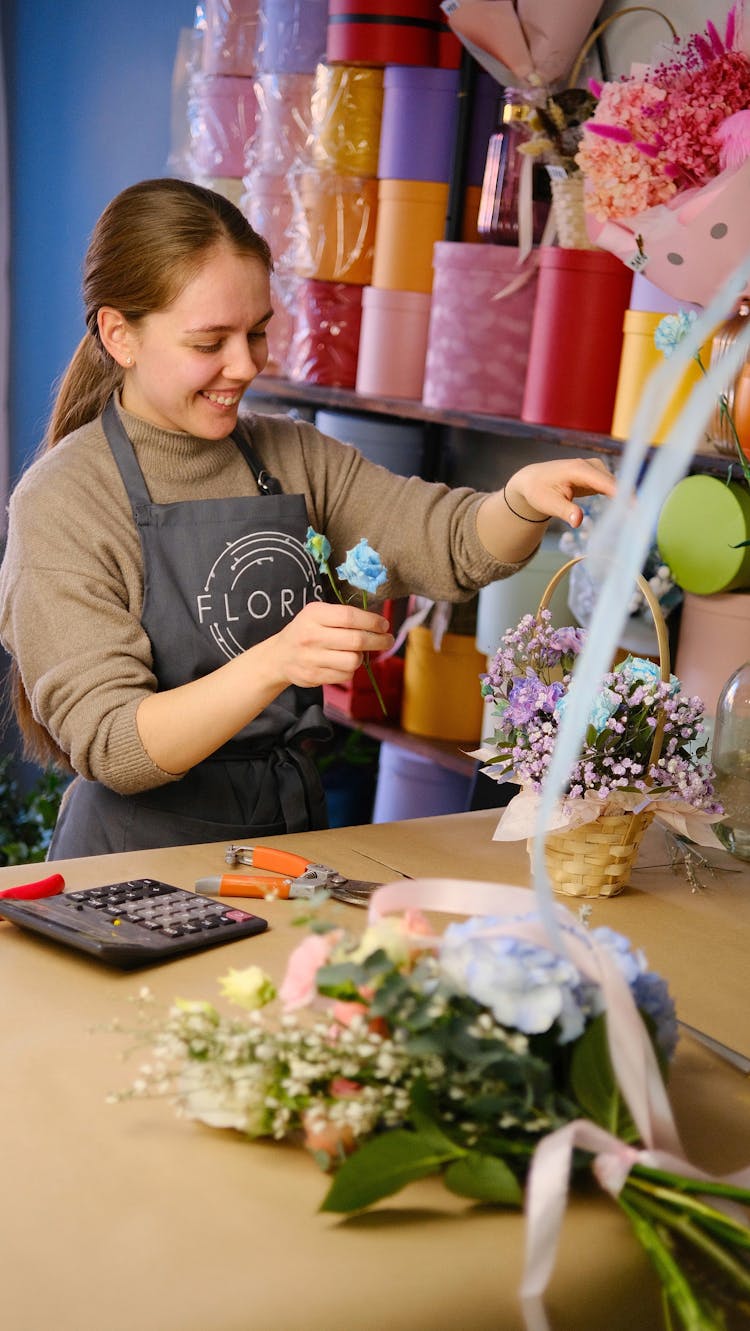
(230, 36)
(478, 346)
(393, 343)
(267, 205)
(284, 121)
(222, 115)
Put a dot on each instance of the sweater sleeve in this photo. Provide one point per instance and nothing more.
(67, 615)
(425, 532)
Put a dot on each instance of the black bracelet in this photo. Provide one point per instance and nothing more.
(520, 515)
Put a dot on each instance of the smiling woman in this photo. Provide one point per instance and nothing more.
(169, 627)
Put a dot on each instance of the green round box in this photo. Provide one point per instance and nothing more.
(701, 523)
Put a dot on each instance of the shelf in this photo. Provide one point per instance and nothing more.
(444, 753)
(269, 388)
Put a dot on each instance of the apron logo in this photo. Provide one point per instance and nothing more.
(257, 584)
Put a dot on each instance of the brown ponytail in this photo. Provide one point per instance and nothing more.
(147, 245)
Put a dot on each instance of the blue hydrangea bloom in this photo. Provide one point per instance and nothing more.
(604, 706)
(526, 987)
(672, 329)
(363, 568)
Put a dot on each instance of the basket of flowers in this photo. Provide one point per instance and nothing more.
(643, 757)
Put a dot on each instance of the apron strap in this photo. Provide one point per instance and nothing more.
(267, 484)
(124, 455)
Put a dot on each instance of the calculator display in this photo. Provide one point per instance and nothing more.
(134, 923)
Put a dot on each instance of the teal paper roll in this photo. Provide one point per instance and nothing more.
(701, 524)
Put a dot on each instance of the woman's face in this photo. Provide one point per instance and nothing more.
(193, 361)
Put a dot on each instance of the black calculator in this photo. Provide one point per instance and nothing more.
(134, 923)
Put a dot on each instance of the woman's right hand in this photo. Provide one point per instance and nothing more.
(325, 643)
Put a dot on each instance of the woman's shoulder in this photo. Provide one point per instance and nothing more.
(78, 462)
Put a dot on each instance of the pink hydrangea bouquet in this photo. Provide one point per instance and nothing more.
(528, 682)
(466, 1055)
(666, 160)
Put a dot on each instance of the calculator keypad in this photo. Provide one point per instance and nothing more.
(136, 922)
(157, 907)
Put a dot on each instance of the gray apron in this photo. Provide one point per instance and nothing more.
(219, 575)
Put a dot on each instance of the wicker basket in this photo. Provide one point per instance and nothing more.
(595, 860)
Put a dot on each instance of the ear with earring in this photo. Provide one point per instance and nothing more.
(128, 361)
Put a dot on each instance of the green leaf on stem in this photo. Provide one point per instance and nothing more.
(593, 1083)
(485, 1179)
(383, 1166)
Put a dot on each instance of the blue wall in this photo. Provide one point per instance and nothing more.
(88, 86)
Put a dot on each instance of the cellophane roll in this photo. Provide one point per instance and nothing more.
(334, 226)
(325, 340)
(281, 328)
(222, 117)
(347, 108)
(230, 36)
(292, 35)
(284, 132)
(267, 205)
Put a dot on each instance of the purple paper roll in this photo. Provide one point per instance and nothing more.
(420, 106)
(292, 36)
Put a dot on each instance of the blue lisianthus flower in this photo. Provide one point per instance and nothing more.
(363, 568)
(526, 987)
(318, 545)
(603, 707)
(672, 329)
(644, 671)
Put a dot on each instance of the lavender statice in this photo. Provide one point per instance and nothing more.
(528, 681)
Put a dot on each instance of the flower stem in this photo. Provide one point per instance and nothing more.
(368, 668)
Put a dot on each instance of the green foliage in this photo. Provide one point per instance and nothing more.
(27, 818)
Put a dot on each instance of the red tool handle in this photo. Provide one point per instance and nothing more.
(284, 861)
(43, 887)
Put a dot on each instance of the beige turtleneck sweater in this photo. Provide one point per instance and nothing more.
(71, 582)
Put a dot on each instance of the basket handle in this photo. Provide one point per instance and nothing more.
(661, 635)
(659, 622)
(602, 27)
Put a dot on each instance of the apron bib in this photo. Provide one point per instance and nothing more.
(219, 576)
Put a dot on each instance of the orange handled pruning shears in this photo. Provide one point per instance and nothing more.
(301, 878)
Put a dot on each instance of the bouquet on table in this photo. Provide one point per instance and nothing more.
(643, 756)
(480, 1056)
(666, 161)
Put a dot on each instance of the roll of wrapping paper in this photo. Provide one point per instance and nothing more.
(292, 35)
(640, 356)
(284, 131)
(411, 218)
(420, 114)
(702, 523)
(222, 116)
(325, 342)
(335, 226)
(230, 37)
(346, 113)
(393, 343)
(463, 370)
(399, 32)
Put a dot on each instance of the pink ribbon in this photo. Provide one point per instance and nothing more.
(633, 1060)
